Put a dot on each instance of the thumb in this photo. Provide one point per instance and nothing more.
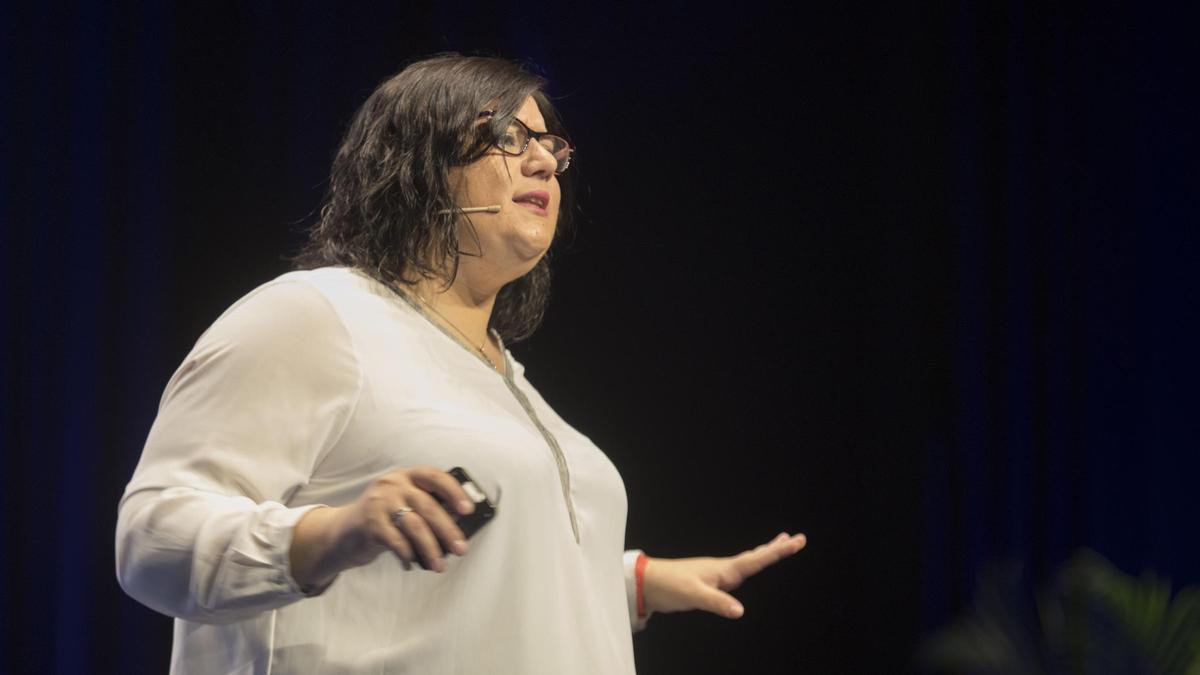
(719, 602)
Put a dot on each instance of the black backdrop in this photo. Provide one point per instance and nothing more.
(917, 282)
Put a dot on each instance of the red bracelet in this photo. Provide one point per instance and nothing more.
(639, 573)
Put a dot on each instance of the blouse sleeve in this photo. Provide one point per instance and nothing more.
(204, 530)
(630, 562)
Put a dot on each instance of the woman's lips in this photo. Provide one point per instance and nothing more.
(536, 201)
(533, 207)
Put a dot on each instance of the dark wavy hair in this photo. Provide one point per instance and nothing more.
(385, 212)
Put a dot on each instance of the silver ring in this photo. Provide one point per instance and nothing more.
(399, 513)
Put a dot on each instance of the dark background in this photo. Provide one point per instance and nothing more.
(919, 282)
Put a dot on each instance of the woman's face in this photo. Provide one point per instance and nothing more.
(512, 241)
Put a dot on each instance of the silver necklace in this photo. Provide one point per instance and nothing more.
(458, 330)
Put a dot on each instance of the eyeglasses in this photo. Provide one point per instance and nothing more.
(515, 141)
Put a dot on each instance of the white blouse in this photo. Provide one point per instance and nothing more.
(300, 394)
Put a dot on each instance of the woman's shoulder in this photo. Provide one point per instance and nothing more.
(328, 301)
(332, 282)
(304, 295)
(296, 303)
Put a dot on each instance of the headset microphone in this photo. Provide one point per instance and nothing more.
(495, 208)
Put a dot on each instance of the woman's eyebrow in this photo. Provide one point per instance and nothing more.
(530, 126)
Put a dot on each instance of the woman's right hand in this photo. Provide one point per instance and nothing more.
(327, 540)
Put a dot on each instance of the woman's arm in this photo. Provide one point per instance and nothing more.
(204, 530)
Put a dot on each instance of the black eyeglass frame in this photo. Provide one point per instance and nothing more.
(531, 135)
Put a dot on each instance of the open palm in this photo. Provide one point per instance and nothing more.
(681, 584)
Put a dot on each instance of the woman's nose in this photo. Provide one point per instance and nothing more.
(539, 161)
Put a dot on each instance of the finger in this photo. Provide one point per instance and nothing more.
(391, 537)
(788, 544)
(440, 522)
(719, 602)
(414, 528)
(444, 485)
(754, 561)
(793, 544)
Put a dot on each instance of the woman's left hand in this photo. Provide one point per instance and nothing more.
(680, 584)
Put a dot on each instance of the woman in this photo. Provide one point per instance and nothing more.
(309, 429)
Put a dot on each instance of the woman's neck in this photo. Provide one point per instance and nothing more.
(468, 309)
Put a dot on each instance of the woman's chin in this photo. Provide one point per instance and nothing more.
(529, 246)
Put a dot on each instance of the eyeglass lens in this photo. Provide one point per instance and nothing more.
(516, 140)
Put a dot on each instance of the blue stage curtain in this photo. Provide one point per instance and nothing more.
(1066, 413)
(85, 134)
